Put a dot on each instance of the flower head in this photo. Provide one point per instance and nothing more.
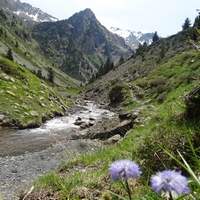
(124, 169)
(170, 180)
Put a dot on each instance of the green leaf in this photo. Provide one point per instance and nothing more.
(189, 169)
(116, 195)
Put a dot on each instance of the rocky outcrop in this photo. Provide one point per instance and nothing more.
(70, 43)
(103, 130)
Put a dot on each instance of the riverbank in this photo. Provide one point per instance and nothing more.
(17, 173)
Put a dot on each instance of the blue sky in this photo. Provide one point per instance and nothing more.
(164, 16)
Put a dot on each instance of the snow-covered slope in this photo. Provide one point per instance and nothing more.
(26, 11)
(133, 38)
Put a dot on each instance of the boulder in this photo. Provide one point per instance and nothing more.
(113, 139)
(107, 129)
(1, 117)
(91, 122)
(78, 122)
(6, 122)
(34, 113)
(11, 93)
(84, 125)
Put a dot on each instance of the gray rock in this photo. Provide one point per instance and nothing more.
(113, 139)
(1, 117)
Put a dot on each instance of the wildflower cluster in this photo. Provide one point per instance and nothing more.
(170, 180)
(167, 181)
(124, 169)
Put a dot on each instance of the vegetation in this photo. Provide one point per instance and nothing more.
(104, 69)
(17, 44)
(26, 100)
(9, 55)
(155, 37)
(51, 75)
(163, 135)
(155, 84)
(186, 24)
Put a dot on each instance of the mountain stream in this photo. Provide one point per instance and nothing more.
(15, 142)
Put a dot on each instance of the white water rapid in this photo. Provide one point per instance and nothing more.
(15, 142)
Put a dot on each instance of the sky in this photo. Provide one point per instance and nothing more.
(164, 16)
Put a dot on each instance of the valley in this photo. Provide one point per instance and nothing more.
(145, 108)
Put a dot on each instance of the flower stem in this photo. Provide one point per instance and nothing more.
(170, 196)
(128, 189)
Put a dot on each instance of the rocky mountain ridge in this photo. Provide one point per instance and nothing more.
(78, 45)
(81, 42)
(26, 11)
(133, 38)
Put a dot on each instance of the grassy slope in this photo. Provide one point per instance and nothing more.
(22, 93)
(160, 88)
(29, 93)
(27, 53)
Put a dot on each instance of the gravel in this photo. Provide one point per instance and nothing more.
(17, 173)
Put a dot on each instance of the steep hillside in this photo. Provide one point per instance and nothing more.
(152, 86)
(15, 36)
(151, 65)
(28, 97)
(80, 44)
(25, 11)
(25, 100)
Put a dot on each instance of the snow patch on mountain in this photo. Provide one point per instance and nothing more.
(133, 38)
(29, 12)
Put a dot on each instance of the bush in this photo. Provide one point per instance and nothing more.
(116, 94)
(157, 82)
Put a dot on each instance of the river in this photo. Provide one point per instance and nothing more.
(15, 142)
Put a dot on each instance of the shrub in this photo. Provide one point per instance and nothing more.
(116, 94)
(161, 98)
(157, 82)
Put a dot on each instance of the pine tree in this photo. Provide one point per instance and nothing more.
(155, 37)
(9, 55)
(195, 37)
(16, 45)
(121, 59)
(1, 32)
(186, 24)
(39, 73)
(50, 75)
(197, 20)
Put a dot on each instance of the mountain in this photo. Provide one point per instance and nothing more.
(79, 45)
(133, 38)
(148, 91)
(26, 11)
(14, 35)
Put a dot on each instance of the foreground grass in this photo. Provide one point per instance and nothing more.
(164, 129)
(87, 176)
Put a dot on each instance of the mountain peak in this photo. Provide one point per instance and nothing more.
(133, 38)
(88, 11)
(26, 11)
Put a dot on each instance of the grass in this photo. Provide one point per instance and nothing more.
(142, 145)
(163, 129)
(22, 92)
(159, 87)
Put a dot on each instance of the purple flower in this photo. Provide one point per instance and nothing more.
(170, 180)
(124, 169)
